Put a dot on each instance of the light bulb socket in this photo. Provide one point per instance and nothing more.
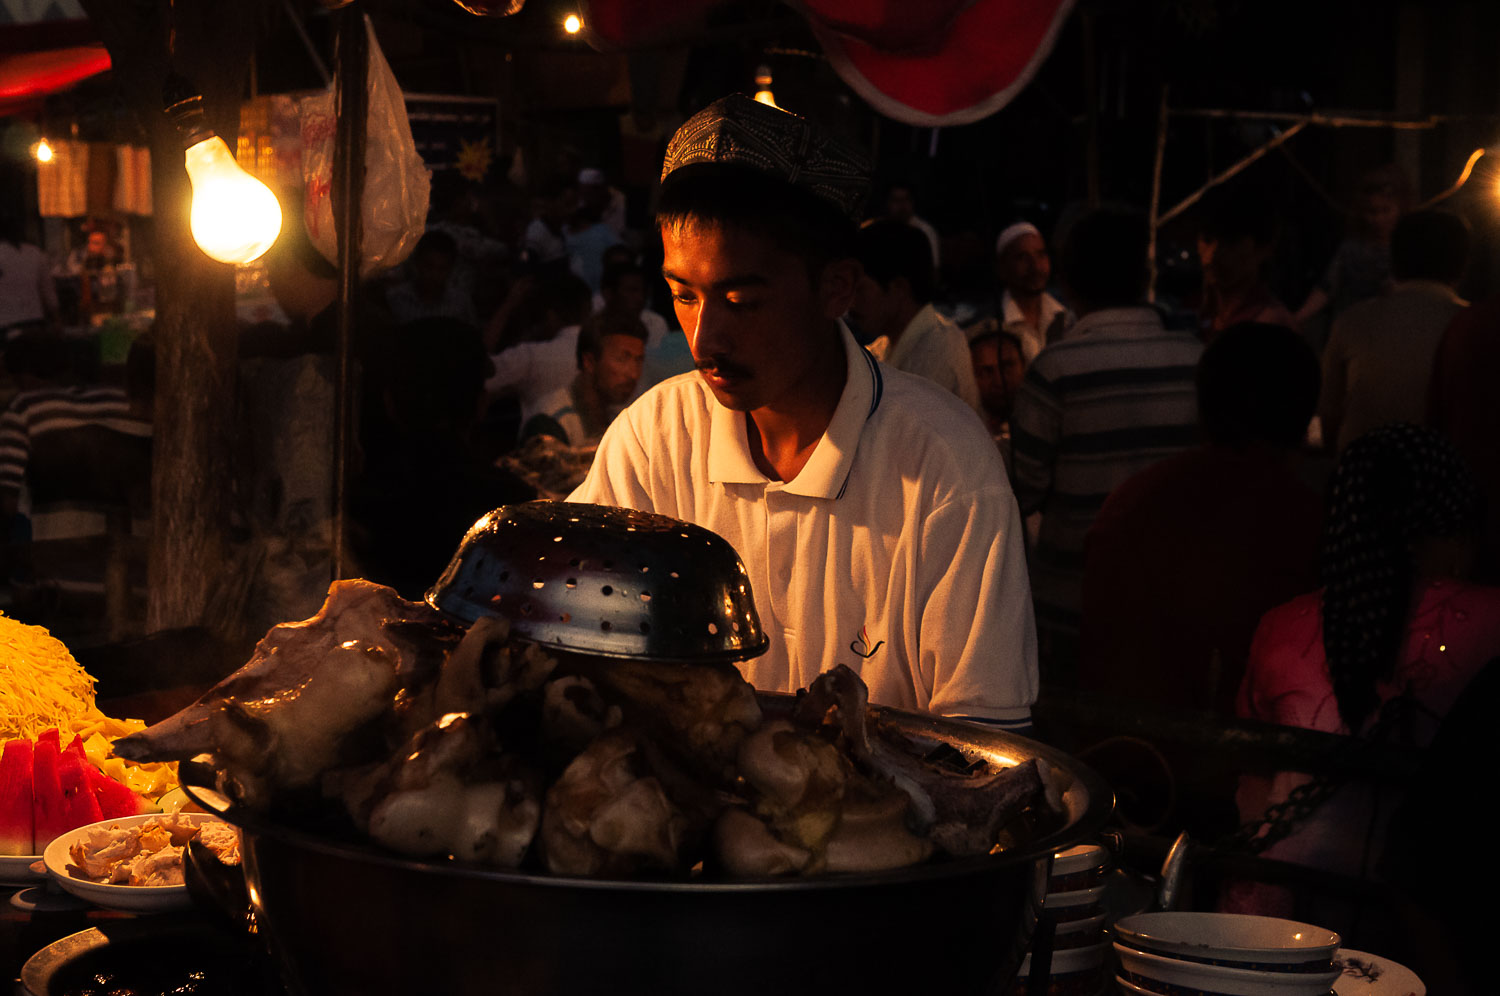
(183, 104)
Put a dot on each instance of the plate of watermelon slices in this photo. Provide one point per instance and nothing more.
(47, 789)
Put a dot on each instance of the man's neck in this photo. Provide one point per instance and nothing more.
(783, 436)
(1029, 304)
(900, 322)
(589, 405)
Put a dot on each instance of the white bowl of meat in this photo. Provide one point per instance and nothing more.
(134, 863)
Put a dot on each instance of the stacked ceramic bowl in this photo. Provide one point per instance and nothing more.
(1072, 904)
(1192, 954)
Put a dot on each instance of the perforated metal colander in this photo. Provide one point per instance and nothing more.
(607, 581)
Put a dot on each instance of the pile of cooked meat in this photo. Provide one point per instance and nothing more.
(435, 739)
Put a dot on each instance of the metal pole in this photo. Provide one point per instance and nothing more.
(351, 57)
(1151, 220)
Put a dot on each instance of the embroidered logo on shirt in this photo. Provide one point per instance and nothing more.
(861, 644)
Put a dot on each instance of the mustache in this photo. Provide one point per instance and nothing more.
(722, 367)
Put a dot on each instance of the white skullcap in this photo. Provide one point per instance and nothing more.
(590, 175)
(1014, 232)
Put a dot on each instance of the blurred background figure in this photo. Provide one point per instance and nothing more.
(546, 236)
(1463, 405)
(893, 307)
(1382, 652)
(611, 349)
(1096, 408)
(1023, 268)
(587, 235)
(28, 297)
(75, 473)
(428, 462)
(1186, 556)
(998, 369)
(96, 265)
(1235, 241)
(1361, 265)
(431, 288)
(1378, 363)
(596, 196)
(545, 316)
(901, 205)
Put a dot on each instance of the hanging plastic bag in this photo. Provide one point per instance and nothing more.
(396, 180)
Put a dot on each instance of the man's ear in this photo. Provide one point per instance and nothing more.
(836, 286)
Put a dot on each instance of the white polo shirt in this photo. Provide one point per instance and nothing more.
(897, 550)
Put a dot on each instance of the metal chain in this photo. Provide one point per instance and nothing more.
(1281, 818)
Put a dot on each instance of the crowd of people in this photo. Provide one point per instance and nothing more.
(1158, 520)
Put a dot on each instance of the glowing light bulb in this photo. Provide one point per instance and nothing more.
(572, 24)
(43, 152)
(235, 218)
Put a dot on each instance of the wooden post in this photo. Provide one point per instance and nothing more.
(196, 336)
(350, 100)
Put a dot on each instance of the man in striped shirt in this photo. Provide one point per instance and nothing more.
(74, 472)
(1113, 398)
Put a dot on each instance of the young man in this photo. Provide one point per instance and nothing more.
(868, 505)
(893, 303)
(611, 349)
(998, 368)
(1379, 359)
(1234, 245)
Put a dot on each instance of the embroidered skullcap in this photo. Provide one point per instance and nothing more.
(739, 131)
(1013, 232)
(588, 176)
(1392, 486)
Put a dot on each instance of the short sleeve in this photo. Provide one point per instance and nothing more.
(978, 637)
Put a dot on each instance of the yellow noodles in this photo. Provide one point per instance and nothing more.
(42, 686)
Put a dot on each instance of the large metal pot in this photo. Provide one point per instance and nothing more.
(347, 918)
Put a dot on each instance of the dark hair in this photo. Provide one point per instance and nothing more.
(436, 242)
(592, 332)
(1239, 211)
(1430, 245)
(889, 249)
(39, 354)
(615, 272)
(1257, 383)
(999, 337)
(1391, 486)
(795, 220)
(1104, 259)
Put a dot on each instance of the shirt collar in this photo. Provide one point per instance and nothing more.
(826, 473)
(1011, 314)
(911, 337)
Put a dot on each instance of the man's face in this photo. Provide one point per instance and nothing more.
(998, 369)
(1025, 266)
(617, 369)
(98, 244)
(874, 308)
(750, 311)
(628, 297)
